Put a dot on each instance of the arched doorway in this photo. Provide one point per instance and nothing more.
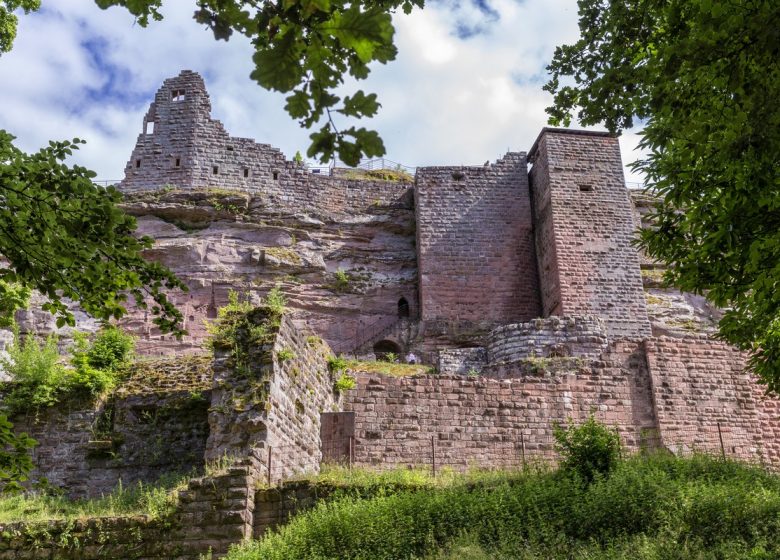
(384, 348)
(403, 308)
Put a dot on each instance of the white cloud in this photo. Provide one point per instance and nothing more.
(446, 100)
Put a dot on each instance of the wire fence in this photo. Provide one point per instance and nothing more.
(490, 450)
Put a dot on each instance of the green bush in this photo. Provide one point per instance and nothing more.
(38, 375)
(275, 301)
(98, 364)
(337, 364)
(588, 450)
(344, 382)
(41, 379)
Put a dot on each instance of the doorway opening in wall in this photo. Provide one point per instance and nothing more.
(403, 308)
(149, 127)
(386, 349)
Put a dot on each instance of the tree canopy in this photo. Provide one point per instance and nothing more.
(704, 78)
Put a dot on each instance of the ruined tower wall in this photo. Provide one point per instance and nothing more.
(475, 243)
(585, 226)
(186, 148)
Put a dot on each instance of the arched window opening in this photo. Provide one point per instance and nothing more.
(403, 308)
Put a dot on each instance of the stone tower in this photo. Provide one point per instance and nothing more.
(584, 231)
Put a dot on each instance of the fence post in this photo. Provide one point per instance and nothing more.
(433, 455)
(522, 449)
(722, 448)
(269, 464)
(351, 450)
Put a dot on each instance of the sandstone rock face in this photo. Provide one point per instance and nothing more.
(339, 272)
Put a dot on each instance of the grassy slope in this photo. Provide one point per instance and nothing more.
(657, 508)
(156, 500)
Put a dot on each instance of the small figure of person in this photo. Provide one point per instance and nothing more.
(411, 358)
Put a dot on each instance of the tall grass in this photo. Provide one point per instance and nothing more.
(649, 508)
(157, 500)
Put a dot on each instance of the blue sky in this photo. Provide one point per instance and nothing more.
(465, 88)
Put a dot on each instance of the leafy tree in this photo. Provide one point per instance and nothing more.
(306, 48)
(704, 77)
(65, 237)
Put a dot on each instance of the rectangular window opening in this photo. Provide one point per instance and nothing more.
(178, 95)
(137, 163)
(246, 172)
(215, 170)
(230, 148)
(178, 162)
(149, 128)
(586, 188)
(276, 175)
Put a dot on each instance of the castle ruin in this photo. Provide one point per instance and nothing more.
(517, 280)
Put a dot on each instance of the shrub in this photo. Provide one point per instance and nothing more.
(342, 280)
(275, 301)
(390, 357)
(38, 374)
(587, 450)
(98, 364)
(285, 354)
(337, 364)
(345, 382)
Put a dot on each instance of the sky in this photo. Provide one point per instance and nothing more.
(465, 88)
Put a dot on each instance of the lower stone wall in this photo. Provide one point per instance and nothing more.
(490, 422)
(300, 391)
(214, 512)
(142, 432)
(703, 396)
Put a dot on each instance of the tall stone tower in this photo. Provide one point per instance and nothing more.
(584, 231)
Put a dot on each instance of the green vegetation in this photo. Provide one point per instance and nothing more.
(157, 500)
(703, 76)
(589, 450)
(15, 460)
(391, 175)
(41, 379)
(388, 368)
(342, 280)
(344, 382)
(285, 354)
(284, 254)
(656, 507)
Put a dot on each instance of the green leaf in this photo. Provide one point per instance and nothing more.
(360, 105)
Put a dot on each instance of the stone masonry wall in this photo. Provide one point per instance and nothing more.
(491, 422)
(276, 406)
(301, 390)
(699, 384)
(475, 243)
(213, 512)
(187, 148)
(544, 338)
(585, 226)
(86, 447)
(462, 361)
